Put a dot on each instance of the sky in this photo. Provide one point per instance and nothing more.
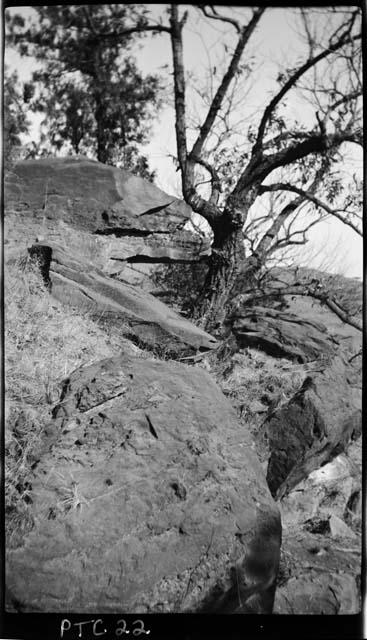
(275, 42)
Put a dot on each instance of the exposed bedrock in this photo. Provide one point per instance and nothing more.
(281, 334)
(318, 575)
(120, 222)
(315, 426)
(148, 497)
(138, 315)
(329, 496)
(320, 568)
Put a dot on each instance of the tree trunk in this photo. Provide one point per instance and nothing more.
(100, 107)
(225, 262)
(102, 154)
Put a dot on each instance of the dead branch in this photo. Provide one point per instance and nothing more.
(216, 16)
(309, 291)
(311, 62)
(245, 34)
(310, 196)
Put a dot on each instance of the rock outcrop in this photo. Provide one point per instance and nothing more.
(313, 427)
(122, 223)
(138, 315)
(147, 495)
(280, 334)
(147, 498)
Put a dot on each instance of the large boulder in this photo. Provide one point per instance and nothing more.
(138, 315)
(280, 334)
(93, 196)
(121, 222)
(312, 428)
(147, 497)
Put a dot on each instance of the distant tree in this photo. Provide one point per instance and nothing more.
(15, 117)
(93, 96)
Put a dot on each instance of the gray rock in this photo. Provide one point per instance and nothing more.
(120, 222)
(280, 334)
(93, 196)
(139, 316)
(312, 428)
(255, 406)
(338, 528)
(147, 498)
(331, 490)
(317, 577)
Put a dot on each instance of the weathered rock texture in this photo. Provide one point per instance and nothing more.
(329, 495)
(313, 427)
(139, 315)
(121, 222)
(280, 334)
(318, 576)
(147, 498)
(320, 569)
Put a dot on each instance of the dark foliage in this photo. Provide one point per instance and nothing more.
(94, 99)
(15, 118)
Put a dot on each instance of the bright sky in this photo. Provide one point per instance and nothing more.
(275, 42)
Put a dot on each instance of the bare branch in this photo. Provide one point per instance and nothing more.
(305, 290)
(216, 16)
(344, 99)
(215, 180)
(310, 39)
(272, 233)
(244, 37)
(179, 86)
(310, 196)
(285, 135)
(257, 171)
(267, 244)
(328, 301)
(343, 39)
(290, 235)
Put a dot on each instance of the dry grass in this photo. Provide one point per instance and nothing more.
(255, 384)
(251, 376)
(44, 342)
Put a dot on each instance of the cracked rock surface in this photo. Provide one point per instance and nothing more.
(147, 497)
(312, 428)
(320, 569)
(318, 576)
(281, 334)
(138, 315)
(122, 223)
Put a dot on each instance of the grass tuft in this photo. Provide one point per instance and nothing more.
(44, 342)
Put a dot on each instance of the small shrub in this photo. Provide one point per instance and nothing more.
(179, 285)
(255, 384)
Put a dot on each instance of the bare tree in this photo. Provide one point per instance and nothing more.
(275, 147)
(263, 181)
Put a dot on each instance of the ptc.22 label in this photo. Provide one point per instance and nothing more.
(96, 628)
